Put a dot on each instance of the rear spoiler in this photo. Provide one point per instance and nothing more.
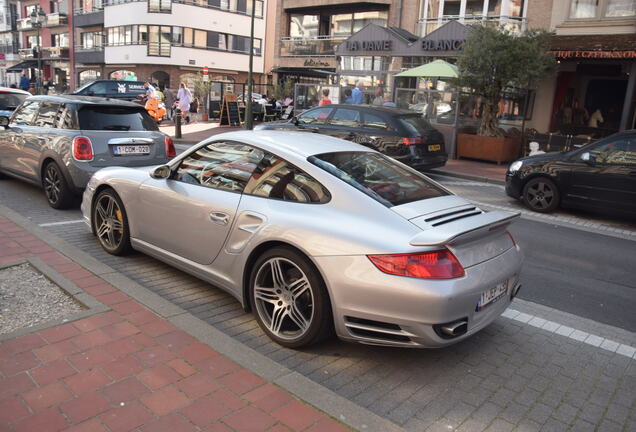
(469, 228)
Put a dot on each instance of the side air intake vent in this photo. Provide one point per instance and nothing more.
(376, 330)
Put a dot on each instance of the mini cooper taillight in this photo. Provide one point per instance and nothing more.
(82, 149)
(170, 151)
(437, 264)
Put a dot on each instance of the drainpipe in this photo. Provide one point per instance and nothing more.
(399, 14)
(71, 50)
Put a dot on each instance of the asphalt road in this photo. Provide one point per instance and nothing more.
(576, 271)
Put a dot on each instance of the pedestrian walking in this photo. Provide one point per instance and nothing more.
(169, 101)
(325, 97)
(348, 99)
(184, 97)
(379, 97)
(357, 93)
(194, 109)
(24, 82)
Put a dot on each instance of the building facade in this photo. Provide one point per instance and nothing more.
(9, 41)
(595, 47)
(167, 41)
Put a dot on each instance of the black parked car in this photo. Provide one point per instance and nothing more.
(401, 134)
(126, 90)
(600, 176)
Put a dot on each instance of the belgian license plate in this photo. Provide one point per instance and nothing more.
(491, 296)
(131, 149)
(434, 147)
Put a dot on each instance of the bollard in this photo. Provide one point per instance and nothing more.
(177, 124)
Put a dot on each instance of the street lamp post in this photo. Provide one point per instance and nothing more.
(37, 19)
(249, 116)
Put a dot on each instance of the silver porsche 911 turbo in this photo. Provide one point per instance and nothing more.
(315, 234)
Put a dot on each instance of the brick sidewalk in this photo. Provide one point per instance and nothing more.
(129, 369)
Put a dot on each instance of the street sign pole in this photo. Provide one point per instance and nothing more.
(248, 98)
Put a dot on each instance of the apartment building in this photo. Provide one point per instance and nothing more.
(167, 41)
(9, 41)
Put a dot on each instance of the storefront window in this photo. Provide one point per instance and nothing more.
(621, 8)
(583, 8)
(303, 26)
(88, 76)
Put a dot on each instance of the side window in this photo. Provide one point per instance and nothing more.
(373, 121)
(48, 115)
(67, 118)
(346, 117)
(278, 179)
(24, 115)
(221, 165)
(316, 116)
(621, 151)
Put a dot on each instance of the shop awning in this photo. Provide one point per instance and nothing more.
(304, 72)
(27, 64)
(435, 69)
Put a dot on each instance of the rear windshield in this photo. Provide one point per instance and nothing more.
(414, 123)
(114, 118)
(378, 176)
(9, 101)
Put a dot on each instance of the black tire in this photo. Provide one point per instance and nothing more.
(540, 194)
(57, 191)
(320, 321)
(110, 224)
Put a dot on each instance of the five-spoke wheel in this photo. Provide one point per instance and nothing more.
(541, 195)
(110, 223)
(289, 298)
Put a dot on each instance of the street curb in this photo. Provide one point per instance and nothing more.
(468, 176)
(345, 411)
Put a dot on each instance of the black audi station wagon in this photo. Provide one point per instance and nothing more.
(404, 135)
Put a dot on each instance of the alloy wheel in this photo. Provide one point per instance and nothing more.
(284, 299)
(52, 184)
(109, 222)
(540, 195)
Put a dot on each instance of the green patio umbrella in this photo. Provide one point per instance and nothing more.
(435, 69)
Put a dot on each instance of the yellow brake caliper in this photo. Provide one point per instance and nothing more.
(120, 218)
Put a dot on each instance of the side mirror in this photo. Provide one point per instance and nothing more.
(161, 172)
(588, 158)
(4, 121)
(295, 121)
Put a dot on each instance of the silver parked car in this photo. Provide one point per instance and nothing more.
(58, 142)
(313, 233)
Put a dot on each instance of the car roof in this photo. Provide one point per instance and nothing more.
(14, 90)
(372, 108)
(85, 100)
(282, 143)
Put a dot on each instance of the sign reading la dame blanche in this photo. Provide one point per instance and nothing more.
(372, 39)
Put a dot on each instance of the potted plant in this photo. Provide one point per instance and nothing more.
(494, 59)
(201, 89)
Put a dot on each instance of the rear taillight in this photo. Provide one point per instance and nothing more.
(438, 264)
(170, 151)
(82, 149)
(412, 141)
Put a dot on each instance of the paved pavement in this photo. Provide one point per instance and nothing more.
(119, 366)
(534, 369)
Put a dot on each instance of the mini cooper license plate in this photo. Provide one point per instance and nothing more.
(492, 295)
(120, 150)
(434, 147)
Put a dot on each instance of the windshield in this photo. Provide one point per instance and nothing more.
(378, 177)
(115, 118)
(415, 124)
(10, 101)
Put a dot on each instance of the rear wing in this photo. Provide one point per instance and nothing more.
(465, 229)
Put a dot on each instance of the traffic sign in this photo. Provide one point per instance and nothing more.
(205, 70)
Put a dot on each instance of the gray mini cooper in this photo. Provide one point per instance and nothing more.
(58, 142)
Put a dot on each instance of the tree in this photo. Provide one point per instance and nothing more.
(495, 59)
(284, 89)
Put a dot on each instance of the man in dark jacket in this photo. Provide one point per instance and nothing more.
(24, 82)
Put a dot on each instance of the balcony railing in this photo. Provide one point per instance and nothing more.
(52, 20)
(303, 47)
(47, 53)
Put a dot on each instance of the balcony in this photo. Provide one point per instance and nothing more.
(89, 17)
(89, 56)
(511, 23)
(301, 4)
(52, 20)
(48, 53)
(324, 46)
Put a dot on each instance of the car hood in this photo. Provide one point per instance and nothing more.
(545, 157)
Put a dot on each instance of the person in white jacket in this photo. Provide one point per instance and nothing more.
(185, 99)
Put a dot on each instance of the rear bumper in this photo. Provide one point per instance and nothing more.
(400, 311)
(424, 162)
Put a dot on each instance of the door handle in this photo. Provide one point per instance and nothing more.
(219, 218)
